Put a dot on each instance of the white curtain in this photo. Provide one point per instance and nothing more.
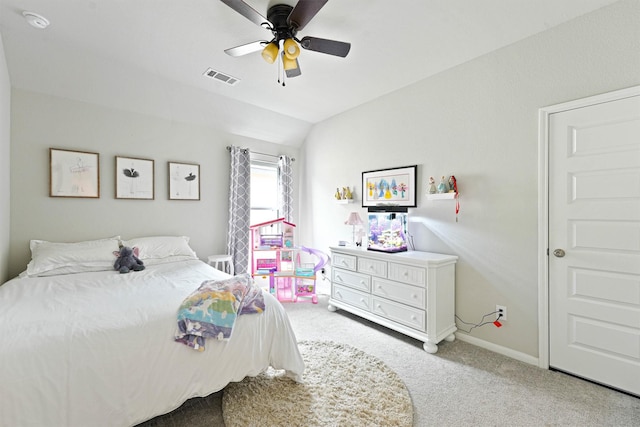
(239, 208)
(285, 188)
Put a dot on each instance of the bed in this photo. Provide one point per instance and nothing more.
(95, 347)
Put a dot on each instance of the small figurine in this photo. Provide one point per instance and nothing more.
(442, 187)
(453, 186)
(432, 186)
(347, 193)
(338, 195)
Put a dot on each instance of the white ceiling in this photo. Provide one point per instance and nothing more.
(149, 56)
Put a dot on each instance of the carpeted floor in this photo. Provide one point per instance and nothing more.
(460, 385)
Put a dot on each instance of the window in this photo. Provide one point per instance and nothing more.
(264, 191)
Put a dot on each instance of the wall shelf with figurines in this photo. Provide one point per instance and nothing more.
(447, 189)
(343, 196)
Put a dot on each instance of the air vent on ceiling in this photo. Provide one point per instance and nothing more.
(221, 77)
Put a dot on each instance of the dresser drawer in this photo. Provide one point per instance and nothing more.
(399, 313)
(351, 297)
(406, 294)
(407, 274)
(352, 279)
(372, 266)
(344, 261)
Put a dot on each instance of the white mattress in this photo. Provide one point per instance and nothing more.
(97, 348)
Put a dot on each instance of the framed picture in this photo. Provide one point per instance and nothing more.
(74, 173)
(134, 178)
(184, 181)
(397, 186)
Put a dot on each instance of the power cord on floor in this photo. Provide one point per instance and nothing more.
(482, 322)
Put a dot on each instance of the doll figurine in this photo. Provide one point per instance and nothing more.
(442, 187)
(432, 186)
(453, 186)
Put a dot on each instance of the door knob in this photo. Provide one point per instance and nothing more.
(559, 253)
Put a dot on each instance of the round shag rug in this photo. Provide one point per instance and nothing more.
(342, 386)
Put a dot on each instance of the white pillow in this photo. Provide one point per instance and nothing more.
(162, 249)
(49, 258)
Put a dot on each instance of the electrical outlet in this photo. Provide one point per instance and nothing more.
(501, 309)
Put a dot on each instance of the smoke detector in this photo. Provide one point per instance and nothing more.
(35, 20)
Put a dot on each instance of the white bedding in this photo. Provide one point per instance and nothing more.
(98, 348)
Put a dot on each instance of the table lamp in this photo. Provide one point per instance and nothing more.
(353, 220)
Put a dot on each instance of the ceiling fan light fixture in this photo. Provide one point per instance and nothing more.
(291, 49)
(270, 52)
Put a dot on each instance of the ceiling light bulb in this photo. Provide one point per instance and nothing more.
(35, 20)
(291, 49)
(270, 52)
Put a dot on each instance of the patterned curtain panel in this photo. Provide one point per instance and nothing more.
(239, 209)
(285, 188)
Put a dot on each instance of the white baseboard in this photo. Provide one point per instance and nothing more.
(523, 357)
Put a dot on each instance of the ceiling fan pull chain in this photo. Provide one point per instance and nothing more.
(280, 72)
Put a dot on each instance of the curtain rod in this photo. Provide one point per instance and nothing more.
(262, 154)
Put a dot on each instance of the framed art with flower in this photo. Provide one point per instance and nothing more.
(394, 186)
(184, 181)
(134, 178)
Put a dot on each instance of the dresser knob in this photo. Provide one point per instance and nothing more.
(414, 296)
(413, 317)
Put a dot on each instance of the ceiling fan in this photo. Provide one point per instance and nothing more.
(284, 22)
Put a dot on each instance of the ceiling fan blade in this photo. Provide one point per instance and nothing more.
(303, 12)
(247, 11)
(331, 47)
(246, 49)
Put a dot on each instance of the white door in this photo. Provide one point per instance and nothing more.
(594, 242)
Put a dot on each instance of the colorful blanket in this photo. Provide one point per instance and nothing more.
(211, 310)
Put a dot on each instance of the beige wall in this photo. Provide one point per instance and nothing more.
(5, 169)
(41, 121)
(478, 121)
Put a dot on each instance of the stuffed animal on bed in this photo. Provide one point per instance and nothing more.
(127, 260)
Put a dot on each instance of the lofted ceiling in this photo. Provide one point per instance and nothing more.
(149, 56)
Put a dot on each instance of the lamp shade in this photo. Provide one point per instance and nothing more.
(270, 52)
(289, 64)
(291, 49)
(354, 219)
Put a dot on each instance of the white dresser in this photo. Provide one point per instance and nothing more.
(411, 292)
